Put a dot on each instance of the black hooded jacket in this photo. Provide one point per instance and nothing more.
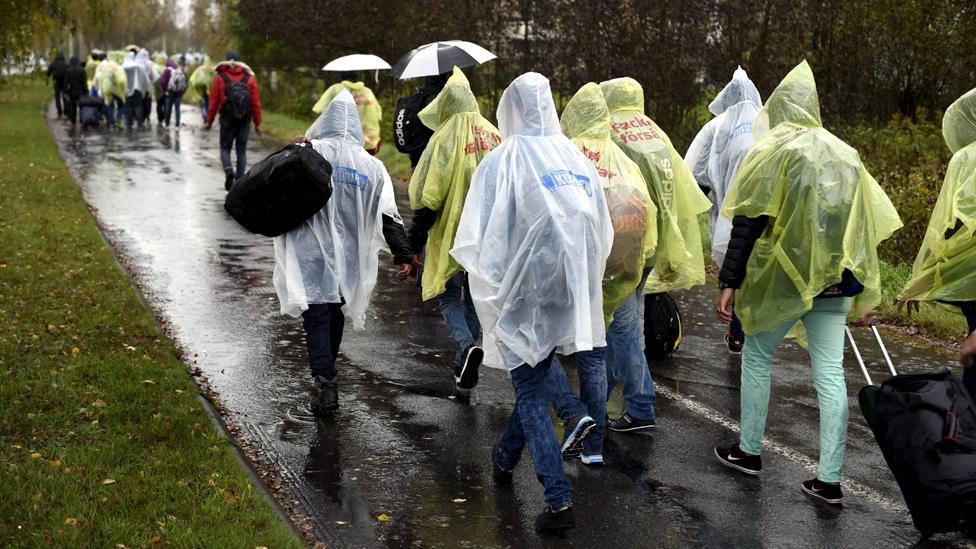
(58, 69)
(76, 80)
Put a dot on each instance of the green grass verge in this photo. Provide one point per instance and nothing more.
(102, 438)
(937, 320)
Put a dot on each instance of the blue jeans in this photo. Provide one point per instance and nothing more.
(457, 308)
(323, 323)
(173, 102)
(530, 425)
(626, 361)
(204, 105)
(591, 367)
(234, 133)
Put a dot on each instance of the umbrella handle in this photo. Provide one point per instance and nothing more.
(857, 354)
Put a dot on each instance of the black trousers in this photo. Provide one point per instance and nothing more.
(71, 108)
(58, 92)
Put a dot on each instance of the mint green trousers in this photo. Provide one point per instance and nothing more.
(824, 325)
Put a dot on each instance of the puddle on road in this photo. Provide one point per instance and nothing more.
(404, 446)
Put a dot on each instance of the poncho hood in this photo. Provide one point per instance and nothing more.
(738, 90)
(339, 121)
(353, 86)
(456, 97)
(794, 101)
(959, 122)
(623, 94)
(526, 107)
(587, 115)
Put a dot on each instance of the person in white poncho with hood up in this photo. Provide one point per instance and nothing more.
(138, 85)
(534, 237)
(714, 157)
(326, 268)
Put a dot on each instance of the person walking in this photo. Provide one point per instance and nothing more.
(438, 187)
(200, 80)
(234, 94)
(678, 260)
(75, 86)
(138, 85)
(174, 82)
(807, 219)
(326, 268)
(370, 112)
(714, 158)
(534, 237)
(633, 215)
(142, 57)
(410, 134)
(110, 81)
(944, 271)
(57, 71)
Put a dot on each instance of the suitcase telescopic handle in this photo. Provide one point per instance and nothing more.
(857, 352)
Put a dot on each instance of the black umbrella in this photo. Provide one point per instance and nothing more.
(440, 57)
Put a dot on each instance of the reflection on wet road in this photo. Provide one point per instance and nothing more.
(404, 449)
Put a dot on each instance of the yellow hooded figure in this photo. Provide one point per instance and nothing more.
(679, 262)
(945, 269)
(825, 212)
(586, 122)
(462, 137)
(111, 80)
(369, 108)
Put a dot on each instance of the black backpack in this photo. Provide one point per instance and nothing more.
(662, 326)
(409, 133)
(282, 191)
(237, 105)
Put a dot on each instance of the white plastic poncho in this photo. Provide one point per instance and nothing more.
(333, 256)
(137, 79)
(534, 236)
(147, 63)
(718, 149)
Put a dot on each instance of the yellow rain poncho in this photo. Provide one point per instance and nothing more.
(370, 111)
(945, 269)
(111, 81)
(679, 262)
(825, 211)
(462, 137)
(586, 122)
(201, 79)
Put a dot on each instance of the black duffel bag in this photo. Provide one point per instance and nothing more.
(662, 326)
(282, 191)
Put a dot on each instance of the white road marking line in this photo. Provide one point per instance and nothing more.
(851, 486)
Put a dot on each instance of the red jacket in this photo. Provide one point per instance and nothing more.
(218, 94)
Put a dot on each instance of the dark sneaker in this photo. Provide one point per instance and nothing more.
(823, 490)
(591, 459)
(735, 458)
(228, 180)
(555, 521)
(627, 424)
(325, 396)
(499, 475)
(577, 429)
(466, 375)
(735, 346)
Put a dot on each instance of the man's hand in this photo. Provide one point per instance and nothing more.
(207, 126)
(300, 139)
(416, 266)
(403, 271)
(866, 320)
(968, 356)
(907, 306)
(257, 131)
(723, 305)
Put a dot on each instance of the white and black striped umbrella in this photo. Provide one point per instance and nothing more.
(440, 57)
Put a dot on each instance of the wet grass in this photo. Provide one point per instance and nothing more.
(102, 438)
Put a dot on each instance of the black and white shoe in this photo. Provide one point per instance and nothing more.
(466, 375)
(325, 396)
(627, 424)
(577, 429)
(825, 491)
(735, 458)
(735, 346)
(557, 521)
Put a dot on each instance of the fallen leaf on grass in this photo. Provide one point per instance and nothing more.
(36, 455)
(71, 522)
(149, 381)
(99, 403)
(109, 481)
(383, 517)
(75, 351)
(341, 522)
(229, 497)
(459, 500)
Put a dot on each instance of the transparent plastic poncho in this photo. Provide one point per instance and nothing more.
(534, 236)
(586, 121)
(717, 151)
(679, 262)
(334, 255)
(945, 268)
(462, 138)
(826, 213)
(370, 112)
(136, 76)
(110, 81)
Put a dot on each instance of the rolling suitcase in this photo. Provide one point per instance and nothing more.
(925, 425)
(282, 191)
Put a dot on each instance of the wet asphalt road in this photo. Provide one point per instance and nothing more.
(405, 447)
